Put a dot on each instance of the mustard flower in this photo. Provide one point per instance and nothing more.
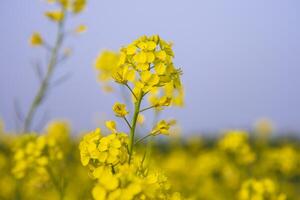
(120, 109)
(111, 125)
(147, 81)
(147, 63)
(81, 29)
(110, 149)
(88, 146)
(36, 39)
(141, 119)
(162, 127)
(55, 16)
(78, 6)
(264, 127)
(106, 62)
(124, 74)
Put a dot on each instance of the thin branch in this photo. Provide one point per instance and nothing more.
(145, 94)
(18, 113)
(38, 71)
(61, 80)
(47, 46)
(144, 158)
(124, 95)
(42, 121)
(63, 57)
(131, 91)
(127, 122)
(143, 138)
(142, 110)
(151, 67)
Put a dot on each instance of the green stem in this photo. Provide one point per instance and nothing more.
(38, 99)
(147, 108)
(143, 138)
(58, 184)
(137, 106)
(131, 91)
(18, 193)
(127, 122)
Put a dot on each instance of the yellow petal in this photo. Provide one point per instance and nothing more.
(130, 76)
(56, 16)
(78, 6)
(161, 55)
(81, 29)
(131, 49)
(140, 57)
(142, 45)
(150, 57)
(36, 39)
(99, 193)
(145, 76)
(160, 68)
(151, 45)
(111, 125)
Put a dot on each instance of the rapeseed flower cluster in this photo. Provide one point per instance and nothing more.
(143, 67)
(147, 66)
(97, 150)
(236, 143)
(35, 153)
(260, 189)
(131, 182)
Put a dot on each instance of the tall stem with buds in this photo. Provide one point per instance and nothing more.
(38, 99)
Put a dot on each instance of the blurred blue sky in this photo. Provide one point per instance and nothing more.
(240, 59)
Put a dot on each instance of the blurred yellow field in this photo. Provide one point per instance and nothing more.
(233, 166)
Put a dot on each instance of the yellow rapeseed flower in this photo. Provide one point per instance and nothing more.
(141, 119)
(88, 146)
(162, 127)
(78, 6)
(124, 74)
(81, 29)
(120, 109)
(107, 63)
(55, 16)
(36, 39)
(111, 125)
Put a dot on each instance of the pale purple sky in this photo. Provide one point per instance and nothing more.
(240, 59)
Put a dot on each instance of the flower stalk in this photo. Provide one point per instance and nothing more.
(40, 96)
(137, 106)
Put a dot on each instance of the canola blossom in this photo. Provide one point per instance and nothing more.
(123, 161)
(147, 65)
(141, 67)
